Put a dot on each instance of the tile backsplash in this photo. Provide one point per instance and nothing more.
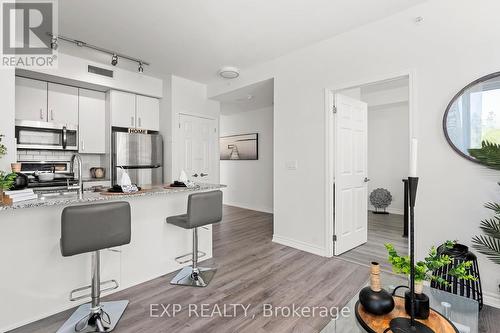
(88, 160)
(43, 155)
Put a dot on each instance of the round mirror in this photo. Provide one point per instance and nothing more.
(473, 116)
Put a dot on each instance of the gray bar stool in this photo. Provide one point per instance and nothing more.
(91, 228)
(203, 209)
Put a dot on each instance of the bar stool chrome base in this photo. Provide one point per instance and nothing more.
(111, 314)
(187, 277)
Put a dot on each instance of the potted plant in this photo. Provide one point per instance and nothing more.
(424, 271)
(6, 181)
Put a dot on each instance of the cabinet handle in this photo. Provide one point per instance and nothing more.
(203, 174)
(131, 121)
(195, 175)
(51, 114)
(139, 121)
(83, 145)
(41, 114)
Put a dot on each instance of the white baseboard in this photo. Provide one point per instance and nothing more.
(299, 245)
(491, 299)
(250, 207)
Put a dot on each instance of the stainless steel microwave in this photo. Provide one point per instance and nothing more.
(45, 135)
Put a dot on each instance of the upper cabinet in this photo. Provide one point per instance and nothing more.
(31, 99)
(134, 111)
(62, 105)
(122, 109)
(48, 102)
(148, 113)
(92, 121)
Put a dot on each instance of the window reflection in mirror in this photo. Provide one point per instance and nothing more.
(473, 116)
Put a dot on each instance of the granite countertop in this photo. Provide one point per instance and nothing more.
(96, 196)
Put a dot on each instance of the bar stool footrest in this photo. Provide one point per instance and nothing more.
(103, 290)
(189, 255)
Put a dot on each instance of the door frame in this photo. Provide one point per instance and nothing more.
(330, 136)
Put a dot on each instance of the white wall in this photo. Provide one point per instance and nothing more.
(388, 139)
(456, 43)
(186, 97)
(250, 183)
(7, 117)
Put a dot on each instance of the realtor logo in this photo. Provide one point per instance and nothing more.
(27, 30)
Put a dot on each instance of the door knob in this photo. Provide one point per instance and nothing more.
(366, 180)
(203, 174)
(195, 175)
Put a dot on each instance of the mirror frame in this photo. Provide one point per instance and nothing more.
(457, 96)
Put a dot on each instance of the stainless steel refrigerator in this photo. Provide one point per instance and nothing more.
(140, 155)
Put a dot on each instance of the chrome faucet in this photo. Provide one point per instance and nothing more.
(78, 187)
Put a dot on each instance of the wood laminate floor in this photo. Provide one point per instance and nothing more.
(381, 229)
(252, 271)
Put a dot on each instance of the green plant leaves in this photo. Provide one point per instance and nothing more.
(488, 154)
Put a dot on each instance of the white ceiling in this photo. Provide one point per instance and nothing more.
(252, 97)
(194, 38)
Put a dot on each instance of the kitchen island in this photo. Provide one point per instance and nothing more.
(35, 280)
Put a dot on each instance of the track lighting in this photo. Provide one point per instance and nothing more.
(53, 43)
(114, 55)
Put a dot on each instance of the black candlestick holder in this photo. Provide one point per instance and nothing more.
(403, 324)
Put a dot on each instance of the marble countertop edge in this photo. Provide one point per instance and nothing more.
(96, 196)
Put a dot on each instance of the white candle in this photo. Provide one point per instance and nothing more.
(413, 158)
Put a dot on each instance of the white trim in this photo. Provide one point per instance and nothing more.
(329, 130)
(491, 299)
(250, 207)
(303, 246)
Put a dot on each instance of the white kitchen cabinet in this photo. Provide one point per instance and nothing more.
(62, 104)
(148, 113)
(31, 99)
(122, 109)
(134, 111)
(92, 121)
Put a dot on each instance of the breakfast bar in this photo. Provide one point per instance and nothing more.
(36, 279)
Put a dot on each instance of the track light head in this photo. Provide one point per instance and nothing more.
(140, 69)
(53, 43)
(114, 59)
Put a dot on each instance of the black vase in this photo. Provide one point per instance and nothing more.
(374, 299)
(422, 307)
(20, 182)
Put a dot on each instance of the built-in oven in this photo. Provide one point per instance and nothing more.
(44, 135)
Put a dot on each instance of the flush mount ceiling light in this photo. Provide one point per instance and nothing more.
(229, 72)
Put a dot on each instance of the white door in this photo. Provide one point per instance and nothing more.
(197, 148)
(122, 109)
(31, 99)
(148, 112)
(351, 201)
(62, 104)
(92, 121)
